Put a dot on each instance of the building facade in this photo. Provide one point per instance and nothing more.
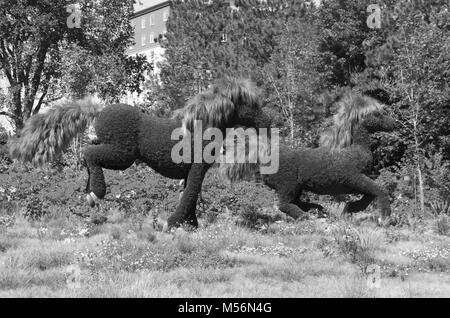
(149, 22)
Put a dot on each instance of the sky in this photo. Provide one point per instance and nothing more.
(144, 4)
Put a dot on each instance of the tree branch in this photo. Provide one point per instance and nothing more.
(6, 65)
(2, 113)
(36, 80)
(44, 93)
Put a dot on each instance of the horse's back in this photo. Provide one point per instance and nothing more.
(118, 124)
(149, 138)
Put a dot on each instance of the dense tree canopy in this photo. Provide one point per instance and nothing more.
(305, 56)
(45, 55)
(206, 41)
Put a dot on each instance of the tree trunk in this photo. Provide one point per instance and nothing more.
(421, 192)
(292, 127)
(418, 154)
(17, 108)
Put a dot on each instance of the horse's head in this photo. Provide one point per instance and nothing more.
(246, 98)
(379, 121)
(356, 112)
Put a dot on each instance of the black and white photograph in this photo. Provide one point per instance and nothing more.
(225, 154)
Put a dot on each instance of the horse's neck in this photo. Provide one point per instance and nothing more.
(361, 138)
(360, 150)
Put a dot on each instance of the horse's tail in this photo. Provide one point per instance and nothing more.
(45, 136)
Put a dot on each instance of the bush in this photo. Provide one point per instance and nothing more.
(443, 225)
(402, 184)
(3, 136)
(256, 218)
(247, 200)
(35, 209)
(359, 245)
(4, 156)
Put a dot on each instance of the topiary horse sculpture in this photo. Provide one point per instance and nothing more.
(339, 166)
(126, 134)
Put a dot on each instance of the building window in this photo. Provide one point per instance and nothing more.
(152, 38)
(143, 22)
(224, 37)
(152, 19)
(166, 16)
(143, 39)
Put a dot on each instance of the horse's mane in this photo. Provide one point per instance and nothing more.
(217, 106)
(352, 109)
(242, 165)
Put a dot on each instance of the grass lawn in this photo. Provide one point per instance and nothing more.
(236, 252)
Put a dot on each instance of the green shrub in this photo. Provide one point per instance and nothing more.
(34, 209)
(359, 245)
(443, 225)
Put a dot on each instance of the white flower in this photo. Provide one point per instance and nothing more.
(83, 232)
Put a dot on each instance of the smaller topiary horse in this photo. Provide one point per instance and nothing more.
(339, 166)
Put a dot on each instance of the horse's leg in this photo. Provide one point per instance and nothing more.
(367, 186)
(309, 205)
(183, 183)
(360, 205)
(104, 156)
(288, 198)
(292, 210)
(185, 212)
(191, 219)
(86, 190)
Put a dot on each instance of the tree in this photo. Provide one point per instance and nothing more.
(417, 79)
(36, 42)
(291, 77)
(345, 39)
(110, 74)
(206, 41)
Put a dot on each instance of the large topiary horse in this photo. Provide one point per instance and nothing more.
(126, 134)
(339, 166)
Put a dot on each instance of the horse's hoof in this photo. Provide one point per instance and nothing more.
(92, 199)
(98, 219)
